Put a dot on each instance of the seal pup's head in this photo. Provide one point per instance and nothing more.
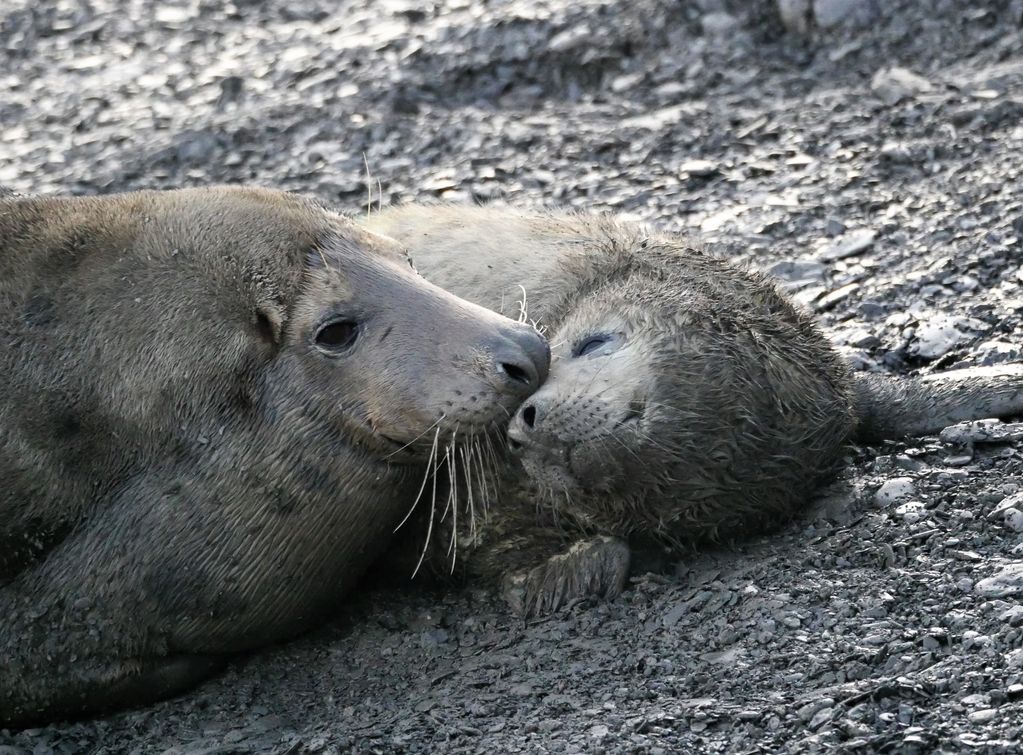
(684, 395)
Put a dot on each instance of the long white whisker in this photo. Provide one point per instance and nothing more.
(494, 464)
(426, 476)
(483, 477)
(453, 545)
(433, 512)
(439, 420)
(522, 305)
(369, 186)
(466, 453)
(451, 481)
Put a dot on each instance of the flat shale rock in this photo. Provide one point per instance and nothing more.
(876, 622)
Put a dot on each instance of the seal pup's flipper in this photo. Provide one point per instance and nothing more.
(597, 567)
(891, 407)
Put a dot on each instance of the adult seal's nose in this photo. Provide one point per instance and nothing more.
(522, 361)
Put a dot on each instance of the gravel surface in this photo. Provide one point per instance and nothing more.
(869, 157)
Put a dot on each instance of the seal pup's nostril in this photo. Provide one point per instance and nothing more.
(520, 431)
(518, 436)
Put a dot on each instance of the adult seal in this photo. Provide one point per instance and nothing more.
(688, 399)
(217, 404)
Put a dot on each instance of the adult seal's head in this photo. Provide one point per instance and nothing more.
(217, 406)
(397, 360)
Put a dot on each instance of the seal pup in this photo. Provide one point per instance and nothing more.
(688, 399)
(217, 406)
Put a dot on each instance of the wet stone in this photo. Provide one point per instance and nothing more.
(894, 84)
(1005, 583)
(937, 336)
(895, 489)
(982, 431)
(852, 243)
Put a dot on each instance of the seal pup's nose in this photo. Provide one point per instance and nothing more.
(522, 361)
(520, 431)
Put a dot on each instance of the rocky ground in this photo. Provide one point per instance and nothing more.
(868, 155)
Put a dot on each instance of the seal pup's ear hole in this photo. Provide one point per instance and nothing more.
(268, 324)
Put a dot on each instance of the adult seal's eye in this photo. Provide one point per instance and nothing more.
(589, 345)
(337, 336)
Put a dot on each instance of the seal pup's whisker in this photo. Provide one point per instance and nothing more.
(596, 373)
(556, 513)
(647, 437)
(614, 436)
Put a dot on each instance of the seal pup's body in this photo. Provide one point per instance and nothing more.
(215, 411)
(688, 399)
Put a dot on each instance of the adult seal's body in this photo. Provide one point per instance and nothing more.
(216, 408)
(687, 398)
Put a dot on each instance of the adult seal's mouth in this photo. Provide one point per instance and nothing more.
(386, 448)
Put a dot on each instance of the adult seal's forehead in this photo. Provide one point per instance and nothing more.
(220, 233)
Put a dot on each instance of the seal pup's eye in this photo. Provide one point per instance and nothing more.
(589, 345)
(337, 335)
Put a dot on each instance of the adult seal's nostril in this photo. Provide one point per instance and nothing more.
(538, 351)
(522, 362)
